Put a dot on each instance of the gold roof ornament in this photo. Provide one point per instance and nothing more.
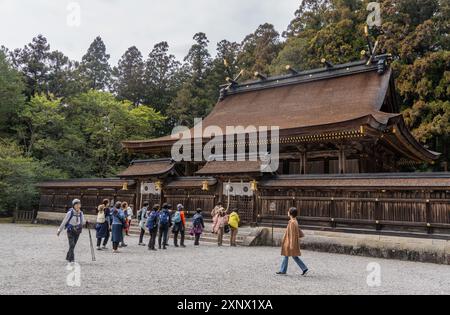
(254, 186)
(158, 185)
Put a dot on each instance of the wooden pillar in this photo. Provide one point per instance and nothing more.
(138, 199)
(342, 160)
(303, 163)
(326, 166)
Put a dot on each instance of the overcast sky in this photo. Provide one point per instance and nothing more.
(143, 23)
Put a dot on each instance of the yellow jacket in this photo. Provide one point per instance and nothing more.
(234, 220)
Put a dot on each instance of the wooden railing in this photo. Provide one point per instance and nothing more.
(24, 216)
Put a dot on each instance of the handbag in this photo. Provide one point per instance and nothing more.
(226, 228)
(301, 234)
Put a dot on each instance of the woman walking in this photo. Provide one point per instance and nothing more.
(215, 217)
(291, 244)
(152, 226)
(234, 226)
(117, 226)
(198, 226)
(179, 226)
(102, 227)
(73, 223)
(222, 221)
(142, 217)
(125, 224)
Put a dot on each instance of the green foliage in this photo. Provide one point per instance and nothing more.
(11, 98)
(83, 136)
(60, 114)
(95, 69)
(259, 49)
(161, 78)
(129, 82)
(193, 100)
(18, 178)
(415, 32)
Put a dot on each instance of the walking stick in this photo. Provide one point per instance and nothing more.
(91, 243)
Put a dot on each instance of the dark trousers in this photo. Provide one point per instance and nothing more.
(197, 239)
(105, 240)
(73, 240)
(152, 241)
(163, 236)
(141, 237)
(182, 235)
(220, 236)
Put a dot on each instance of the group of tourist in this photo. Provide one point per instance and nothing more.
(115, 222)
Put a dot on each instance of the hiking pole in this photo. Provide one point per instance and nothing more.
(91, 243)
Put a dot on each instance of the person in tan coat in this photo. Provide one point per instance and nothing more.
(291, 244)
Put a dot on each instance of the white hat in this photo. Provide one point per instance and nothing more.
(76, 201)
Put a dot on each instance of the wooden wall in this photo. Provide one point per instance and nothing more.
(425, 211)
(398, 209)
(59, 199)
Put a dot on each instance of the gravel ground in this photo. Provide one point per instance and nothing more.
(32, 262)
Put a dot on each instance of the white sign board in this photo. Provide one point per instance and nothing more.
(149, 189)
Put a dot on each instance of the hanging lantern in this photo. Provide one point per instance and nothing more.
(158, 186)
(125, 186)
(254, 185)
(205, 185)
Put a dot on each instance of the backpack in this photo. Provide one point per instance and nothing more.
(151, 220)
(176, 217)
(101, 217)
(164, 218)
(197, 220)
(69, 227)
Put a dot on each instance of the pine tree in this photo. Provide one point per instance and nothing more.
(129, 77)
(192, 100)
(95, 68)
(160, 78)
(259, 49)
(32, 61)
(11, 98)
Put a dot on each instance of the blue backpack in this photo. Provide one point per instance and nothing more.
(164, 218)
(176, 217)
(70, 227)
(152, 220)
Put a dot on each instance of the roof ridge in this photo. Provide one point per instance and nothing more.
(335, 71)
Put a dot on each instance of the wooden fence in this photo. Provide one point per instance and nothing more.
(403, 204)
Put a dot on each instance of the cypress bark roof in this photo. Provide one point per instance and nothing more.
(148, 168)
(325, 99)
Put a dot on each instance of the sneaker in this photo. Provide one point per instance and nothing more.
(99, 248)
(281, 273)
(305, 272)
(164, 248)
(104, 247)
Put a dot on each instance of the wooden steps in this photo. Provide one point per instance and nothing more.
(206, 237)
